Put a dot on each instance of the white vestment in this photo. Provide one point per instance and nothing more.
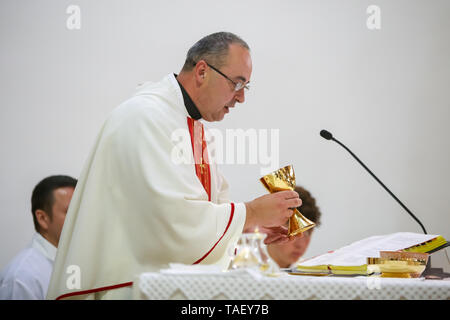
(27, 276)
(136, 208)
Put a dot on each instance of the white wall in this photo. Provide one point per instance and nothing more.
(384, 93)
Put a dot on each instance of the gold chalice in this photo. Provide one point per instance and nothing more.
(281, 180)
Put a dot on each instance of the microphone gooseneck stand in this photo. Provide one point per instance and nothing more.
(432, 272)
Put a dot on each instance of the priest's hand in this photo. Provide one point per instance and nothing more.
(271, 210)
(277, 235)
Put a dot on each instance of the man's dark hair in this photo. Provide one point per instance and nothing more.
(42, 196)
(308, 208)
(213, 49)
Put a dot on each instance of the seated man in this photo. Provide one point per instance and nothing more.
(27, 276)
(287, 253)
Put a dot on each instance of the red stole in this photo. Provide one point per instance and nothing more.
(200, 151)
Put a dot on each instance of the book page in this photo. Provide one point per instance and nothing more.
(356, 253)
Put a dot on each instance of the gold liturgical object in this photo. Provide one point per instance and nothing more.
(281, 180)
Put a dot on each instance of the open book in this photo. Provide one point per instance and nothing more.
(352, 259)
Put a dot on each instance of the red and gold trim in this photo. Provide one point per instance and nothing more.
(201, 159)
(202, 168)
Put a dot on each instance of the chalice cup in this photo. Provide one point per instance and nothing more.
(281, 180)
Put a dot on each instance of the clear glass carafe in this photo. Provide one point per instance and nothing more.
(251, 252)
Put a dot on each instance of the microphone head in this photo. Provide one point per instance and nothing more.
(326, 135)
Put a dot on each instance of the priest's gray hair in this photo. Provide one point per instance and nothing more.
(213, 49)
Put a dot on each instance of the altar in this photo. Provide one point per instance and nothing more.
(251, 285)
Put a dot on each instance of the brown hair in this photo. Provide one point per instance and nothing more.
(213, 48)
(308, 208)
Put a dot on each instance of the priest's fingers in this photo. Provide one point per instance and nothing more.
(271, 209)
(298, 235)
(291, 195)
(277, 229)
(289, 212)
(280, 239)
(272, 238)
(288, 194)
(277, 234)
(293, 203)
(290, 200)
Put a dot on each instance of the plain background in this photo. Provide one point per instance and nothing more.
(384, 93)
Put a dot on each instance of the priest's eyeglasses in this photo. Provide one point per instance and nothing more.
(237, 85)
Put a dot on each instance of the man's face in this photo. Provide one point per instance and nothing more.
(219, 94)
(62, 197)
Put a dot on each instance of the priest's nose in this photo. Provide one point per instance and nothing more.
(240, 96)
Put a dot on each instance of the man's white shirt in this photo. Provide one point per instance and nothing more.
(27, 276)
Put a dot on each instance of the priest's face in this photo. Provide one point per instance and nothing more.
(219, 94)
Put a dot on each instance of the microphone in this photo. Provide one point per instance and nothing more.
(327, 135)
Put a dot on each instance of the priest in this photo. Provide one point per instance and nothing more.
(139, 206)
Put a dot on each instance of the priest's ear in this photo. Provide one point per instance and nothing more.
(200, 70)
(42, 219)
